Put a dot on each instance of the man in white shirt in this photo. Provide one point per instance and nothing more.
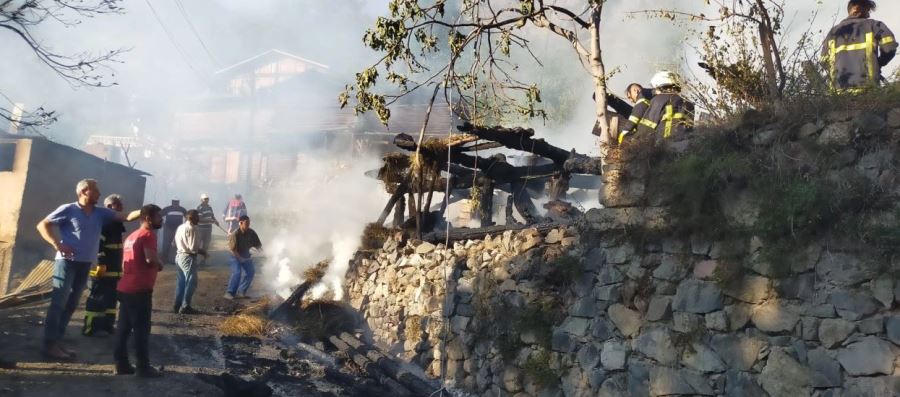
(189, 245)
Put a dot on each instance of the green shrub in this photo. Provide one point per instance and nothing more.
(538, 368)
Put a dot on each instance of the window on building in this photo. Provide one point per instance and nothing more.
(7, 156)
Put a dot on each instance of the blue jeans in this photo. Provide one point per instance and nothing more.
(69, 280)
(186, 275)
(236, 283)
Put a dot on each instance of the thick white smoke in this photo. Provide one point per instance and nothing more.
(321, 214)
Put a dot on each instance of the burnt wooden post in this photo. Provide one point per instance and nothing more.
(399, 211)
(401, 190)
(486, 202)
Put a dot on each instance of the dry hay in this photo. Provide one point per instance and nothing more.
(315, 273)
(258, 308)
(374, 236)
(394, 169)
(245, 325)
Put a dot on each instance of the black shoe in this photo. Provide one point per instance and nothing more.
(187, 310)
(148, 372)
(176, 309)
(124, 369)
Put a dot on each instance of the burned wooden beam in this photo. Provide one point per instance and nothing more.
(371, 368)
(286, 310)
(389, 366)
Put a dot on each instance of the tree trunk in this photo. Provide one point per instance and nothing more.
(768, 62)
(598, 71)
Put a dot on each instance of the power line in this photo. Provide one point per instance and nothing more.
(172, 39)
(196, 34)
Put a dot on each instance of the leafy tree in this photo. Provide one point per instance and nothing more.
(20, 18)
(754, 27)
(464, 47)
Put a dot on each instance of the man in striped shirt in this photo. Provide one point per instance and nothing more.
(204, 228)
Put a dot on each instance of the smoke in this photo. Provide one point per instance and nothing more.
(320, 215)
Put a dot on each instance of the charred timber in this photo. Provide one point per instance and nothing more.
(389, 366)
(523, 139)
(286, 310)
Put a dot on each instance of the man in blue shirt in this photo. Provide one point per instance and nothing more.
(76, 243)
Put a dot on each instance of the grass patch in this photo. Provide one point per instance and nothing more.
(538, 368)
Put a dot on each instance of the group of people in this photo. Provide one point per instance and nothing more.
(854, 51)
(88, 240)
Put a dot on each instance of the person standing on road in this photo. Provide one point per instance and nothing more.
(187, 239)
(240, 242)
(76, 243)
(100, 308)
(204, 228)
(140, 266)
(233, 213)
(173, 216)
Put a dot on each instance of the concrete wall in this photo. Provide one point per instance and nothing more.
(52, 173)
(12, 184)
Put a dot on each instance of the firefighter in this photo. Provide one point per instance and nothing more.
(641, 100)
(857, 48)
(669, 114)
(100, 308)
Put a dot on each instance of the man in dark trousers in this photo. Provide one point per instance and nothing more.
(173, 216)
(140, 266)
(207, 220)
(857, 48)
(100, 308)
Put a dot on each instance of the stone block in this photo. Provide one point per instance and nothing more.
(844, 270)
(742, 384)
(738, 315)
(801, 287)
(784, 376)
(716, 321)
(810, 328)
(626, 320)
(883, 290)
(706, 270)
(867, 356)
(893, 329)
(853, 306)
(666, 381)
(698, 297)
(609, 275)
(614, 355)
(700, 357)
(832, 332)
(750, 289)
(739, 352)
(773, 317)
(836, 134)
(660, 308)
(826, 370)
(893, 118)
(808, 130)
(686, 322)
(871, 326)
(657, 344)
(588, 357)
(577, 326)
(612, 292)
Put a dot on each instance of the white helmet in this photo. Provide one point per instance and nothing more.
(665, 78)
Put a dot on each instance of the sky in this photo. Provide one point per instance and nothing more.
(166, 61)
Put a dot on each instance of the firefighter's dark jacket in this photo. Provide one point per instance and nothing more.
(668, 115)
(855, 50)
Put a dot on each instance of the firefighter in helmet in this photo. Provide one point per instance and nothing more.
(857, 48)
(641, 99)
(668, 114)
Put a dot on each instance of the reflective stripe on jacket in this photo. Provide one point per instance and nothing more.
(669, 114)
(855, 50)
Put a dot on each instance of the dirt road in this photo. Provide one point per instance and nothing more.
(184, 345)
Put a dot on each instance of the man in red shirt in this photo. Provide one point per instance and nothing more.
(140, 266)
